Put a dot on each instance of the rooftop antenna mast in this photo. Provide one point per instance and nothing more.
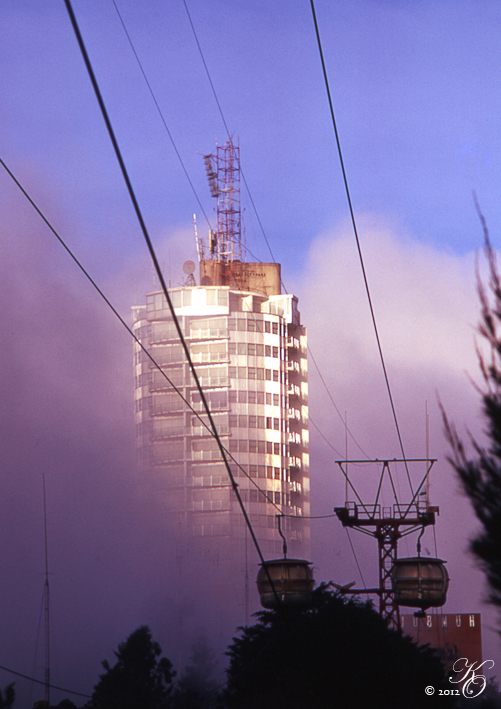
(46, 606)
(223, 173)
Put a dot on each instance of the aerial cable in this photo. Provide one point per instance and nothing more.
(253, 204)
(131, 332)
(226, 128)
(161, 114)
(356, 559)
(166, 292)
(359, 248)
(39, 681)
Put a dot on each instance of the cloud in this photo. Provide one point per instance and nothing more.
(426, 308)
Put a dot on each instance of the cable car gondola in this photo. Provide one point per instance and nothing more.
(292, 580)
(419, 582)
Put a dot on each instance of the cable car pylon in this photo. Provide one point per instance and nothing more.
(417, 582)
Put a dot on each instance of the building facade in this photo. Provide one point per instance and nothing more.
(249, 348)
(452, 635)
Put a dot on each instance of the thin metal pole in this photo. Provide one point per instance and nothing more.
(47, 607)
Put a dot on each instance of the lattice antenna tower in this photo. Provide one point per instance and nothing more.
(223, 173)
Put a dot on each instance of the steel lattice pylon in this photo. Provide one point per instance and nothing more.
(387, 523)
(223, 172)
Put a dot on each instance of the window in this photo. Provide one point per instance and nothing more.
(267, 351)
(276, 375)
(276, 400)
(252, 397)
(242, 397)
(274, 328)
(267, 326)
(275, 352)
(276, 449)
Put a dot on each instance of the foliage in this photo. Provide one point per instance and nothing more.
(196, 686)
(340, 653)
(480, 475)
(139, 679)
(7, 696)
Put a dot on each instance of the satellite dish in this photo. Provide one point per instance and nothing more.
(189, 267)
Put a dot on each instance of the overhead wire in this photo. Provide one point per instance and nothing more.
(357, 239)
(243, 176)
(258, 216)
(40, 681)
(175, 319)
(126, 326)
(160, 113)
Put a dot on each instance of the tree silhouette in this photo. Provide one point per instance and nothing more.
(139, 679)
(480, 474)
(7, 697)
(196, 686)
(338, 654)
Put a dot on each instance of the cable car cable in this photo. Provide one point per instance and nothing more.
(165, 290)
(359, 248)
(157, 105)
(256, 212)
(132, 334)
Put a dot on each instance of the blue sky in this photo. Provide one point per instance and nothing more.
(417, 102)
(413, 89)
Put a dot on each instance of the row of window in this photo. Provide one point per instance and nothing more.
(208, 376)
(244, 421)
(201, 476)
(218, 400)
(180, 298)
(258, 373)
(254, 495)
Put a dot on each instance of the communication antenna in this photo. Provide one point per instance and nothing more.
(223, 174)
(189, 269)
(198, 241)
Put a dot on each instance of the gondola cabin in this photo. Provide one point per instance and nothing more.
(419, 582)
(292, 580)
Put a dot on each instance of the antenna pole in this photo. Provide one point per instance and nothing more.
(46, 609)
